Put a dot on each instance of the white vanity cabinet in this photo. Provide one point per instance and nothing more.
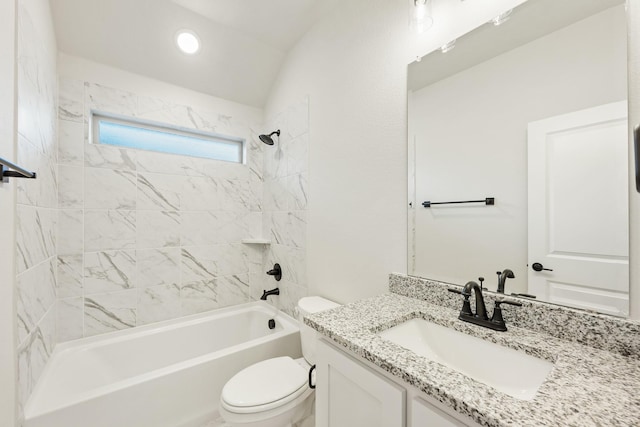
(351, 392)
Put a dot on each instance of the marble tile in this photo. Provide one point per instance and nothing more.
(105, 156)
(232, 290)
(255, 156)
(230, 259)
(275, 161)
(172, 164)
(198, 296)
(298, 188)
(204, 228)
(289, 228)
(158, 267)
(200, 194)
(31, 157)
(292, 261)
(235, 195)
(70, 231)
(290, 293)
(162, 111)
(33, 355)
(70, 143)
(71, 100)
(109, 271)
(110, 100)
(199, 264)
(70, 275)
(35, 295)
(252, 258)
(35, 236)
(256, 194)
(71, 187)
(158, 303)
(110, 312)
(109, 229)
(109, 189)
(158, 229)
(159, 191)
(247, 226)
(257, 284)
(218, 170)
(69, 318)
(277, 196)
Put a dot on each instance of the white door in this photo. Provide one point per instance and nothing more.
(578, 209)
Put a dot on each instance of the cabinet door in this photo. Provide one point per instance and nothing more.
(425, 414)
(348, 394)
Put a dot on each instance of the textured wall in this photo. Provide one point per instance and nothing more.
(146, 236)
(36, 211)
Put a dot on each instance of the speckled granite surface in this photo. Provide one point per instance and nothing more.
(596, 330)
(587, 386)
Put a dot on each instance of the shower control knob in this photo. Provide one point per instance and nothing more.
(539, 267)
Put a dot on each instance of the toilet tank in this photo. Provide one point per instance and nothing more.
(308, 336)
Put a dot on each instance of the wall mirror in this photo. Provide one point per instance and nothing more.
(533, 114)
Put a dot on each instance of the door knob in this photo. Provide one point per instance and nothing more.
(539, 267)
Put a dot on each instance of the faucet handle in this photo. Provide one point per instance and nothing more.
(498, 302)
(455, 291)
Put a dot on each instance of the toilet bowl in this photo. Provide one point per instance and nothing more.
(275, 392)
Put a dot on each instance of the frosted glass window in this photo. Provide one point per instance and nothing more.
(130, 133)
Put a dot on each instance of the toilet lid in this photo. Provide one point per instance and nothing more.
(265, 382)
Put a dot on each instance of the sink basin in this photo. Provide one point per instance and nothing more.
(510, 371)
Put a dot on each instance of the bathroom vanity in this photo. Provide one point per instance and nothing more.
(364, 378)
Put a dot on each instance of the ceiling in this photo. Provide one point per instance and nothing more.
(244, 42)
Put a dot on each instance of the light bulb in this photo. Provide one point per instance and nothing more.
(188, 42)
(420, 16)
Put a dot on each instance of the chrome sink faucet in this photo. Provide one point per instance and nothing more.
(480, 317)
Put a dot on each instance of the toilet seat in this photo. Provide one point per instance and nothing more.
(266, 385)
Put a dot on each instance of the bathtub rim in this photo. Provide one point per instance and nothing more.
(290, 326)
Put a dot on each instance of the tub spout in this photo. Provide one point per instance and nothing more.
(265, 293)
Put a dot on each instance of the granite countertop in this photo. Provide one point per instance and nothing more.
(586, 387)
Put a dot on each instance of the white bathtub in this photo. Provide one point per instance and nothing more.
(168, 374)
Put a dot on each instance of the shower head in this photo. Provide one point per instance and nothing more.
(267, 138)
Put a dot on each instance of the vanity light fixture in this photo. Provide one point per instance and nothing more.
(502, 18)
(188, 42)
(420, 17)
(448, 46)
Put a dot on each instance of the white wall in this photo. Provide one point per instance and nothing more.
(634, 120)
(7, 225)
(352, 65)
(578, 67)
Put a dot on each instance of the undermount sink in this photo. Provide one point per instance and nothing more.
(510, 371)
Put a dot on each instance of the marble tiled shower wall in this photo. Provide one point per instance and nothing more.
(36, 210)
(286, 197)
(145, 236)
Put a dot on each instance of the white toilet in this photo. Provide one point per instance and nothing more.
(275, 392)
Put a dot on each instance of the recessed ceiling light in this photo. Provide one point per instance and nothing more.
(188, 42)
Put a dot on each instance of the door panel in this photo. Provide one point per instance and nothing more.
(578, 208)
